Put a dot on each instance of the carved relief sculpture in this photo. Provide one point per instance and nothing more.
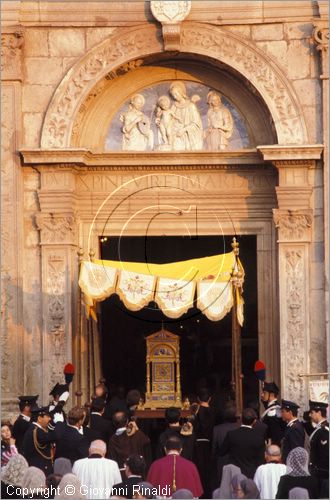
(137, 135)
(187, 124)
(220, 123)
(164, 122)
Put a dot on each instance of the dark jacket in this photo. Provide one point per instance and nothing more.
(71, 444)
(319, 451)
(187, 442)
(275, 425)
(287, 482)
(294, 436)
(246, 448)
(99, 428)
(19, 429)
(126, 487)
(41, 455)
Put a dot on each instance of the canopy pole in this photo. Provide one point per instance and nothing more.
(78, 335)
(236, 337)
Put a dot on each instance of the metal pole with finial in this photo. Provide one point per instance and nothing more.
(89, 342)
(78, 392)
(236, 335)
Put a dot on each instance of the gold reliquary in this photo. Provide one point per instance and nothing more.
(163, 370)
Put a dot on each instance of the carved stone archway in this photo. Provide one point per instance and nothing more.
(232, 50)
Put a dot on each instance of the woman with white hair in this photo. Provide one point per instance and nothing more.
(34, 483)
(297, 475)
(12, 475)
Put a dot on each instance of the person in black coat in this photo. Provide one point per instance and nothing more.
(272, 414)
(319, 441)
(219, 433)
(99, 427)
(23, 421)
(135, 468)
(294, 434)
(72, 443)
(172, 416)
(298, 475)
(38, 441)
(245, 446)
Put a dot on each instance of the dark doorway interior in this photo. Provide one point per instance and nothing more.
(205, 345)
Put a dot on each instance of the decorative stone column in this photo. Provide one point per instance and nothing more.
(294, 220)
(321, 37)
(58, 235)
(12, 333)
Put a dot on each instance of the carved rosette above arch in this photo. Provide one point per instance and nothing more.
(207, 41)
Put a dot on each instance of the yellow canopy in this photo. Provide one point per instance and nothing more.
(172, 286)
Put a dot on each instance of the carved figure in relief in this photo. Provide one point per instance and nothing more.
(220, 123)
(164, 122)
(187, 127)
(137, 134)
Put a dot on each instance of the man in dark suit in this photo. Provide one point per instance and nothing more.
(172, 417)
(245, 446)
(100, 428)
(71, 442)
(272, 414)
(23, 421)
(38, 441)
(319, 441)
(219, 433)
(294, 434)
(135, 468)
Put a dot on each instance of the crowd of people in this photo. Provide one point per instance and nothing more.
(103, 450)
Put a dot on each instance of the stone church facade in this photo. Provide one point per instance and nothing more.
(68, 68)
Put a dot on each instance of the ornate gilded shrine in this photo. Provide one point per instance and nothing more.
(163, 370)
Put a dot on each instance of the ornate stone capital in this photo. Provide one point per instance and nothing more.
(57, 228)
(321, 38)
(11, 55)
(170, 14)
(293, 225)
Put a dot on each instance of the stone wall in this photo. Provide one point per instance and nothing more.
(41, 42)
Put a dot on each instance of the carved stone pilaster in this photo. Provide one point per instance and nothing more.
(11, 54)
(321, 38)
(170, 14)
(58, 233)
(57, 228)
(293, 225)
(294, 321)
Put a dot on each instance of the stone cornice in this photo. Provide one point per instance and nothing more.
(120, 160)
(291, 153)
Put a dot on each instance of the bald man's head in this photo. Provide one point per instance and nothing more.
(273, 453)
(98, 447)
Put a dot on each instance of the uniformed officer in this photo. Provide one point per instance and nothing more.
(272, 414)
(319, 440)
(60, 393)
(38, 441)
(294, 434)
(22, 422)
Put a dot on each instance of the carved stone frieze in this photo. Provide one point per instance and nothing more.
(11, 55)
(56, 228)
(208, 41)
(293, 225)
(295, 361)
